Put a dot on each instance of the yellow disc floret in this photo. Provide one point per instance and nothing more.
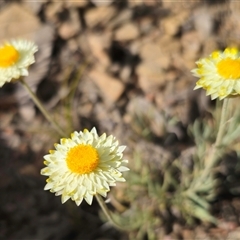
(229, 68)
(8, 56)
(82, 159)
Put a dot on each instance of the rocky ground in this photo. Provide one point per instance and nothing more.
(122, 66)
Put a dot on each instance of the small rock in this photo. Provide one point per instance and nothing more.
(35, 6)
(150, 50)
(115, 68)
(169, 45)
(203, 22)
(171, 25)
(73, 45)
(121, 18)
(125, 73)
(201, 234)
(52, 11)
(71, 27)
(101, 3)
(99, 16)
(146, 25)
(143, 2)
(127, 32)
(188, 234)
(17, 21)
(171, 75)
(191, 45)
(98, 44)
(67, 30)
(150, 76)
(153, 52)
(176, 8)
(27, 112)
(235, 234)
(234, 18)
(110, 87)
(77, 4)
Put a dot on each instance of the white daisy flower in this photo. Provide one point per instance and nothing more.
(15, 58)
(84, 165)
(219, 73)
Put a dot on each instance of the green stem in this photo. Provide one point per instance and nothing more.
(212, 158)
(109, 215)
(42, 109)
(223, 120)
(221, 130)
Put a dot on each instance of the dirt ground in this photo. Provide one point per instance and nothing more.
(123, 67)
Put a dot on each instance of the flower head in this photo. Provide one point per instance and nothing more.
(219, 73)
(15, 58)
(84, 165)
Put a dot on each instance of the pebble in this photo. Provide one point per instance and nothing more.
(12, 17)
(155, 53)
(77, 4)
(171, 25)
(111, 87)
(99, 16)
(127, 32)
(203, 22)
(98, 44)
(53, 10)
(71, 27)
(150, 77)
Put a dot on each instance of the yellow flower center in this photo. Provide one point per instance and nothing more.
(82, 159)
(8, 56)
(229, 68)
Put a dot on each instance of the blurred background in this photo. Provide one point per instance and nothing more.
(123, 67)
